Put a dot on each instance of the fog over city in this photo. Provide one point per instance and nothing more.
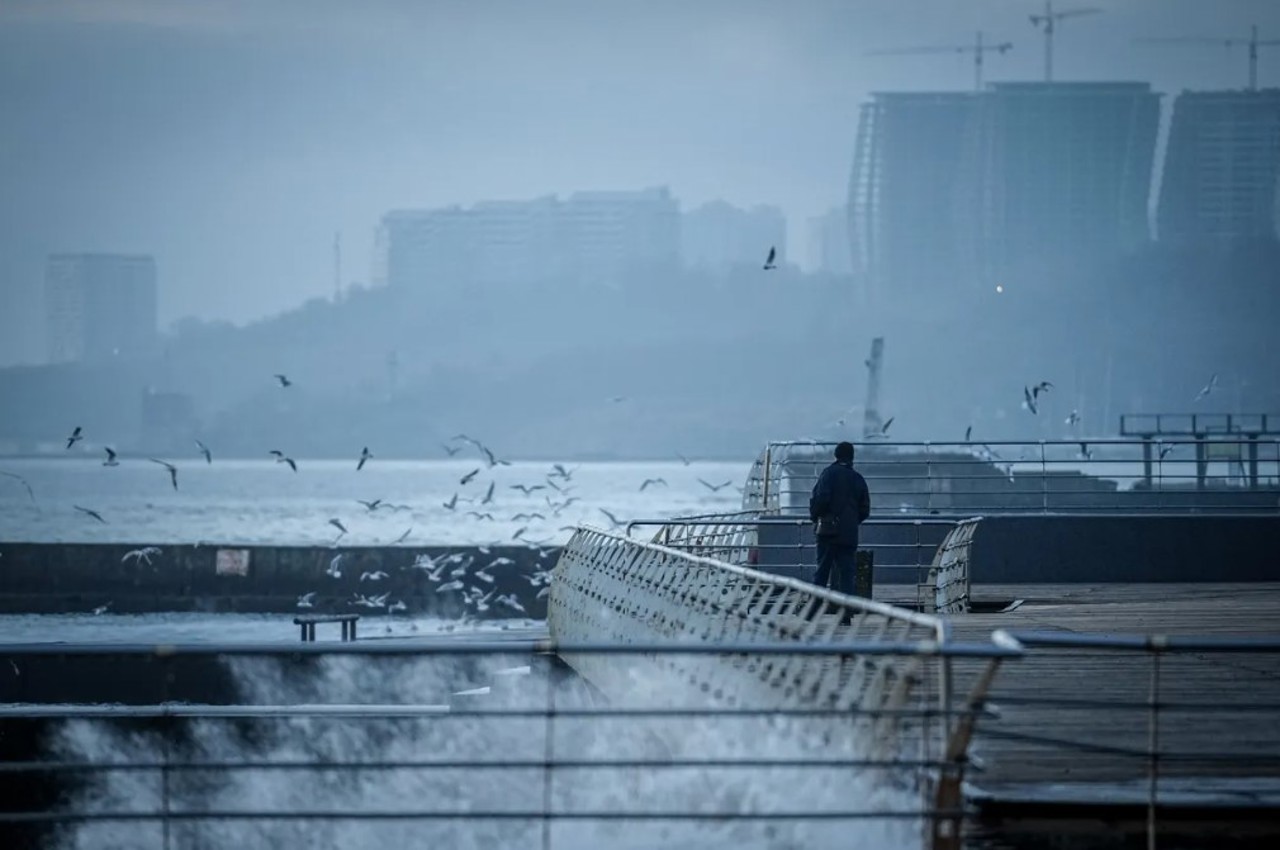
(200, 196)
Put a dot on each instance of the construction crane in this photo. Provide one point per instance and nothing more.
(1049, 23)
(1252, 42)
(979, 49)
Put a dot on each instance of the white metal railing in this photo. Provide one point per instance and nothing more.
(946, 591)
(1213, 472)
(608, 587)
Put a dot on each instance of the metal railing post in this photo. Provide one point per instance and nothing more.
(1153, 742)
(766, 471)
(548, 757)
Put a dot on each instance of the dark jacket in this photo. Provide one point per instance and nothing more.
(841, 494)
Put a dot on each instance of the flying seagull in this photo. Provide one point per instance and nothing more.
(967, 432)
(173, 470)
(111, 457)
(466, 479)
(74, 438)
(649, 481)
(306, 599)
(613, 519)
(481, 515)
(1164, 450)
(559, 469)
(373, 506)
(769, 260)
(1042, 387)
(204, 450)
(144, 554)
(683, 459)
(1028, 400)
(1208, 388)
(290, 461)
(884, 429)
(337, 523)
(1072, 419)
(284, 381)
(21, 480)
(488, 495)
(452, 503)
(364, 457)
(93, 514)
(714, 488)
(403, 537)
(1084, 451)
(450, 450)
(493, 461)
(527, 488)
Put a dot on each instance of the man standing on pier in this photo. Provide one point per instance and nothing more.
(839, 504)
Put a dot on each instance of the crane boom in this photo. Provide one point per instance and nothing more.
(1251, 41)
(979, 49)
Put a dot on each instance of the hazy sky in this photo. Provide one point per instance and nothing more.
(232, 138)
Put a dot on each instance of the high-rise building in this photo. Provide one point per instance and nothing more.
(608, 234)
(1055, 175)
(907, 158)
(1221, 180)
(952, 191)
(718, 237)
(829, 249)
(591, 236)
(99, 305)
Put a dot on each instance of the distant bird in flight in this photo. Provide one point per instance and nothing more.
(493, 461)
(337, 523)
(450, 450)
(280, 458)
(284, 381)
(306, 600)
(111, 457)
(173, 470)
(560, 470)
(452, 503)
(93, 514)
(613, 519)
(1029, 400)
(522, 516)
(204, 450)
(373, 506)
(22, 481)
(648, 481)
(528, 488)
(403, 537)
(1164, 450)
(1084, 451)
(714, 488)
(684, 460)
(769, 260)
(1208, 388)
(1072, 419)
(967, 432)
(884, 429)
(481, 515)
(364, 458)
(466, 479)
(143, 555)
(74, 438)
(1042, 387)
(488, 495)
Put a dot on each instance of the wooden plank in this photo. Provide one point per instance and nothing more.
(1205, 729)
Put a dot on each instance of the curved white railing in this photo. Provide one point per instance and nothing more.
(946, 590)
(607, 587)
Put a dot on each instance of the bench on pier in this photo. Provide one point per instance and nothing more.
(308, 624)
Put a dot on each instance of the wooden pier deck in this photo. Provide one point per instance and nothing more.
(1074, 725)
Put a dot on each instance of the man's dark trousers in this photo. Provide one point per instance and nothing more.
(842, 559)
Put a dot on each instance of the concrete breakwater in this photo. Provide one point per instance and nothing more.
(484, 582)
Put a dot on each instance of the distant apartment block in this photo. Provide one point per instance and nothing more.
(1056, 175)
(829, 248)
(953, 191)
(588, 237)
(718, 237)
(907, 160)
(1221, 181)
(99, 306)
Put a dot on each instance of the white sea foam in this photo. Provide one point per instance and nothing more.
(704, 790)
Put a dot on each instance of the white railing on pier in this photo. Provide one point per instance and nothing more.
(1214, 472)
(946, 590)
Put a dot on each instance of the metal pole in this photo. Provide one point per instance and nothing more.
(548, 755)
(1153, 749)
(1048, 41)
